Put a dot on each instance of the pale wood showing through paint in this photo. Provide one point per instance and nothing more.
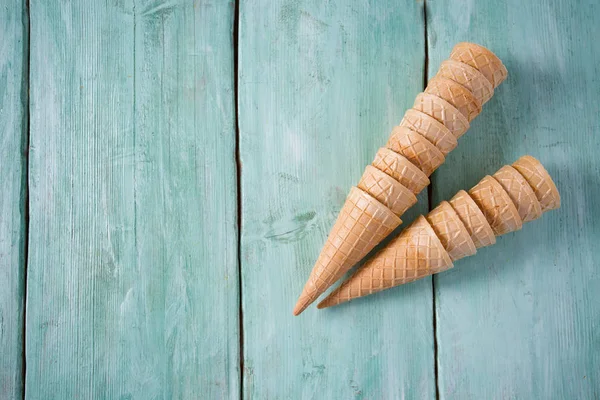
(132, 278)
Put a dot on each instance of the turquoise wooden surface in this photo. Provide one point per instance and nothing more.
(13, 144)
(321, 84)
(133, 273)
(521, 319)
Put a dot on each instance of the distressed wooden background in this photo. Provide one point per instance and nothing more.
(170, 170)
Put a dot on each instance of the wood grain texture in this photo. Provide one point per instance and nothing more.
(321, 84)
(132, 283)
(520, 319)
(13, 142)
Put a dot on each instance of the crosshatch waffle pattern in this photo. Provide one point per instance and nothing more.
(468, 77)
(363, 223)
(455, 94)
(398, 167)
(416, 148)
(482, 60)
(387, 190)
(520, 193)
(496, 205)
(540, 181)
(416, 253)
(473, 219)
(431, 129)
(443, 111)
(450, 230)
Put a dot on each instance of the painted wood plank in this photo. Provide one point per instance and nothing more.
(132, 283)
(13, 143)
(520, 319)
(321, 84)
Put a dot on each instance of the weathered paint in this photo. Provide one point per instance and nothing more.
(13, 142)
(321, 84)
(520, 319)
(132, 278)
(132, 274)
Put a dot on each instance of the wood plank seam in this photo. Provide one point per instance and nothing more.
(430, 207)
(238, 170)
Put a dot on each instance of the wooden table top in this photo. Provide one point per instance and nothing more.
(171, 169)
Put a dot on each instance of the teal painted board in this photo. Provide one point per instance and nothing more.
(520, 319)
(13, 143)
(321, 84)
(132, 274)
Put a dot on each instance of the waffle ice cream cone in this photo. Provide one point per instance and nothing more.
(482, 60)
(455, 94)
(386, 190)
(427, 246)
(416, 253)
(539, 180)
(398, 167)
(416, 149)
(451, 231)
(468, 77)
(520, 193)
(496, 205)
(443, 111)
(431, 129)
(362, 223)
(473, 219)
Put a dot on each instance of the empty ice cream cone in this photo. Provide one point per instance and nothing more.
(468, 77)
(421, 249)
(398, 167)
(416, 253)
(416, 148)
(539, 180)
(386, 190)
(363, 223)
(431, 129)
(496, 205)
(482, 60)
(455, 94)
(520, 193)
(473, 219)
(443, 111)
(451, 231)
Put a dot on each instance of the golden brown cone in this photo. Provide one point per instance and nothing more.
(482, 60)
(386, 190)
(473, 219)
(468, 77)
(431, 129)
(455, 94)
(362, 223)
(451, 231)
(425, 151)
(398, 167)
(443, 111)
(415, 253)
(416, 148)
(520, 193)
(496, 205)
(540, 181)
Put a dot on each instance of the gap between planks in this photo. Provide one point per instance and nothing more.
(25, 137)
(238, 163)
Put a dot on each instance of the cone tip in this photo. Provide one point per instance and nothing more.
(298, 309)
